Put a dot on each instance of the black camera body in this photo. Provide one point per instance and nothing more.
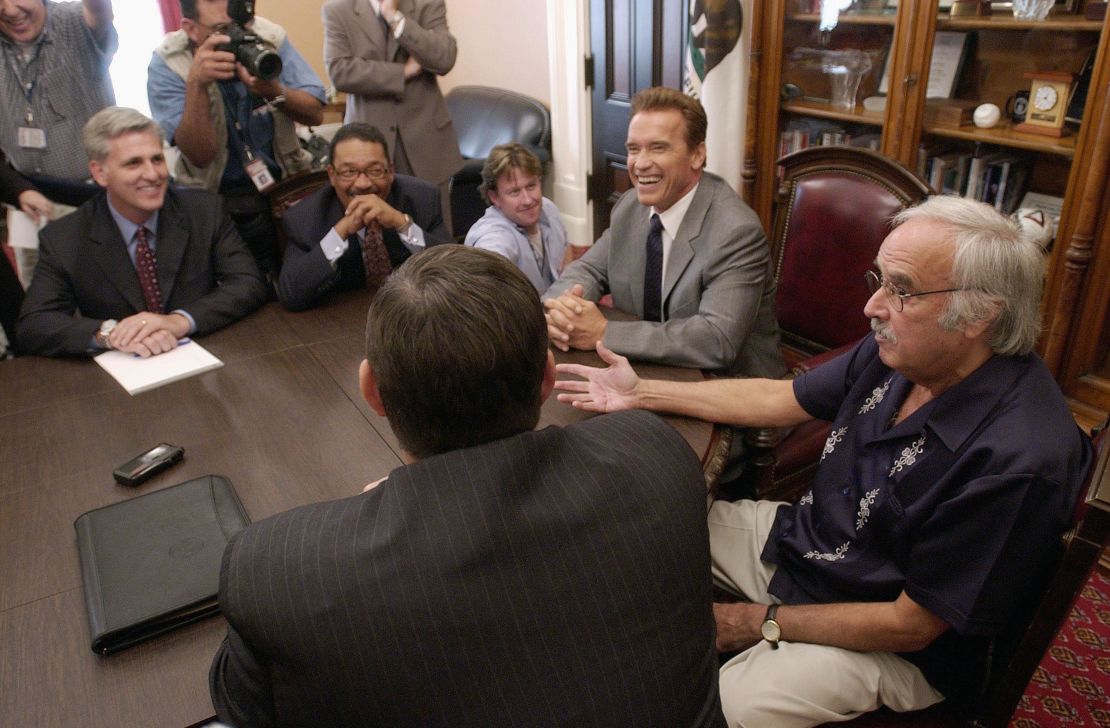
(259, 58)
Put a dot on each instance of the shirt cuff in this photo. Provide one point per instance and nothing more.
(333, 247)
(413, 238)
(399, 28)
(192, 322)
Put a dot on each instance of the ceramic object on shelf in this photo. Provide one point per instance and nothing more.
(1032, 9)
(986, 115)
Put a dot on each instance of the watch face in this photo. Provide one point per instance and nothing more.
(770, 630)
(1045, 98)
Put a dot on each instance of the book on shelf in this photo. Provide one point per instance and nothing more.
(1017, 181)
(979, 174)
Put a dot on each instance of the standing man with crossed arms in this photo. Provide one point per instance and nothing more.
(386, 55)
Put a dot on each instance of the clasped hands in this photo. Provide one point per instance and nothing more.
(573, 322)
(365, 209)
(147, 334)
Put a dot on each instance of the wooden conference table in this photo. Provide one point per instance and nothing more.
(283, 420)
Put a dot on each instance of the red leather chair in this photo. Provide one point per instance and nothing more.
(289, 192)
(832, 212)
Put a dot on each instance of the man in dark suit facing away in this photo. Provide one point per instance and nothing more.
(355, 230)
(501, 576)
(141, 265)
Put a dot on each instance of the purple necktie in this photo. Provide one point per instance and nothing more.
(653, 272)
(148, 273)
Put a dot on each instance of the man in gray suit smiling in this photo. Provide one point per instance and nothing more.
(683, 254)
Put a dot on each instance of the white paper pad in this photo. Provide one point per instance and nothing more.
(23, 231)
(137, 375)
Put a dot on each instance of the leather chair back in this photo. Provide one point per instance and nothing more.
(832, 213)
(485, 117)
(289, 192)
(834, 210)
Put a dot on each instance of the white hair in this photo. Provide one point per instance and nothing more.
(1000, 273)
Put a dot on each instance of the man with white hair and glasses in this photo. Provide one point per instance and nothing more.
(951, 469)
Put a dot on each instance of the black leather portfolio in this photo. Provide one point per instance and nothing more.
(152, 563)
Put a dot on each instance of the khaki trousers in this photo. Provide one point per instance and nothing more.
(798, 684)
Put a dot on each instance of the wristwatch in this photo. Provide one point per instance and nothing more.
(770, 629)
(106, 328)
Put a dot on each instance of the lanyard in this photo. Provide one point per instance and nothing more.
(541, 257)
(27, 87)
(231, 111)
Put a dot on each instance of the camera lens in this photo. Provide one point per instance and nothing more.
(269, 65)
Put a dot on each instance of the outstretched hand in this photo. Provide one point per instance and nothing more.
(611, 389)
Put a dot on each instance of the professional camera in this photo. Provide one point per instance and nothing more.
(260, 59)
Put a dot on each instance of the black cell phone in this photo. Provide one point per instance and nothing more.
(140, 468)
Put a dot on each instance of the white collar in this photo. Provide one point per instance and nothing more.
(673, 215)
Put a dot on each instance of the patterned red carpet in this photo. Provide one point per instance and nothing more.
(1072, 685)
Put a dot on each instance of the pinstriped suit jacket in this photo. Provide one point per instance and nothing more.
(718, 288)
(553, 578)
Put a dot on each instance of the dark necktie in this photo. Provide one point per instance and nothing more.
(653, 272)
(147, 269)
(374, 257)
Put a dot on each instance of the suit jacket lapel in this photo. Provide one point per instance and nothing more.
(109, 251)
(172, 240)
(636, 259)
(371, 25)
(682, 249)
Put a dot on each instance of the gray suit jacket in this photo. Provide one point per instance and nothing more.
(85, 276)
(497, 585)
(718, 288)
(367, 62)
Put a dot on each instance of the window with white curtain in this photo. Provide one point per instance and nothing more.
(139, 24)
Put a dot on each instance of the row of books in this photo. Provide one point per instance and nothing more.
(999, 178)
(810, 132)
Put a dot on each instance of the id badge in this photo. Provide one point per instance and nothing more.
(260, 174)
(31, 138)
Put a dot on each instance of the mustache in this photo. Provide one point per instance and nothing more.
(883, 330)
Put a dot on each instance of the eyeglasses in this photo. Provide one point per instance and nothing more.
(373, 172)
(897, 296)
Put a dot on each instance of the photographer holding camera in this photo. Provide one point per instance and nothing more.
(227, 89)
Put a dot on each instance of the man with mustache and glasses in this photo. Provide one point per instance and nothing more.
(353, 232)
(952, 467)
(142, 265)
(683, 254)
(520, 223)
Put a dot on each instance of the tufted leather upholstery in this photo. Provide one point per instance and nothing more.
(835, 204)
(485, 117)
(832, 212)
(289, 192)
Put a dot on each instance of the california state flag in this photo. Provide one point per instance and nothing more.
(717, 73)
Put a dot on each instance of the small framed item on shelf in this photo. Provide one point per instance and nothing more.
(1058, 6)
(1048, 101)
